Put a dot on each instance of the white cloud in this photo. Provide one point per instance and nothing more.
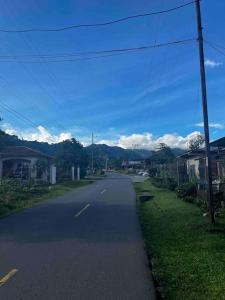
(41, 134)
(139, 141)
(212, 125)
(148, 141)
(212, 63)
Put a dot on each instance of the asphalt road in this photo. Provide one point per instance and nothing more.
(84, 245)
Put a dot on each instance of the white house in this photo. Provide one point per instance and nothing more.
(26, 163)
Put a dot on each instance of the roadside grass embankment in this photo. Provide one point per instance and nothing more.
(187, 255)
(15, 196)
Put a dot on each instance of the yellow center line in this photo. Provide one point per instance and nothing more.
(8, 276)
(82, 210)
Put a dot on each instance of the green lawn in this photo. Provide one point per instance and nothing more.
(187, 255)
(12, 201)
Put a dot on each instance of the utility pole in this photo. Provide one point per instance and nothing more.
(106, 164)
(92, 153)
(208, 161)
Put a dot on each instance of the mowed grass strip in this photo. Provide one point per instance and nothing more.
(187, 254)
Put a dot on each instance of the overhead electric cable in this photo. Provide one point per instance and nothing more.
(97, 24)
(65, 55)
(18, 114)
(215, 44)
(108, 53)
(215, 47)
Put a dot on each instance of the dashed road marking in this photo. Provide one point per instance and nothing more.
(4, 279)
(82, 210)
(102, 192)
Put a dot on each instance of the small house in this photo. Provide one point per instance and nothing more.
(192, 164)
(26, 163)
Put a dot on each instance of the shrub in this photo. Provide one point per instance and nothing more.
(157, 181)
(168, 183)
(3, 209)
(171, 184)
(187, 190)
(13, 191)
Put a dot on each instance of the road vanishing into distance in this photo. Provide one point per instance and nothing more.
(84, 245)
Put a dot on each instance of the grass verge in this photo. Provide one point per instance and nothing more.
(187, 255)
(22, 200)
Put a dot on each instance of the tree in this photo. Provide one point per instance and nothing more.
(70, 153)
(7, 139)
(163, 155)
(196, 143)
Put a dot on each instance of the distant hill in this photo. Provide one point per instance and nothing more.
(118, 152)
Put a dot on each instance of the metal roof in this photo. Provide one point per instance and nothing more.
(218, 143)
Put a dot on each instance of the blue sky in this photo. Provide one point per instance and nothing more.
(138, 98)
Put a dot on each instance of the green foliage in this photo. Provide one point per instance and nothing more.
(7, 140)
(189, 193)
(186, 253)
(168, 182)
(14, 192)
(196, 143)
(16, 195)
(163, 155)
(152, 171)
(70, 153)
(188, 189)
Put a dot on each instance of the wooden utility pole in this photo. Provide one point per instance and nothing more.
(205, 114)
(92, 153)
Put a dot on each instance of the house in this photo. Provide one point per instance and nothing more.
(192, 164)
(25, 163)
(133, 164)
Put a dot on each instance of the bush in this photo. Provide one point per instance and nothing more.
(171, 184)
(3, 209)
(168, 183)
(188, 189)
(13, 192)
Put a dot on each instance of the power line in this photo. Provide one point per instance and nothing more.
(73, 54)
(18, 114)
(97, 24)
(213, 46)
(107, 53)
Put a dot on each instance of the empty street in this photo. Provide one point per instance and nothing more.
(86, 244)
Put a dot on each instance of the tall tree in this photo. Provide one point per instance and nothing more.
(196, 143)
(163, 155)
(71, 153)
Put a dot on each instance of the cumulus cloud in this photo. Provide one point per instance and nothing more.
(212, 63)
(150, 142)
(41, 134)
(212, 125)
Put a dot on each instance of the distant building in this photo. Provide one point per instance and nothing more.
(134, 164)
(25, 163)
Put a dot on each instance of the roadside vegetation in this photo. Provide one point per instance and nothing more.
(187, 255)
(16, 195)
